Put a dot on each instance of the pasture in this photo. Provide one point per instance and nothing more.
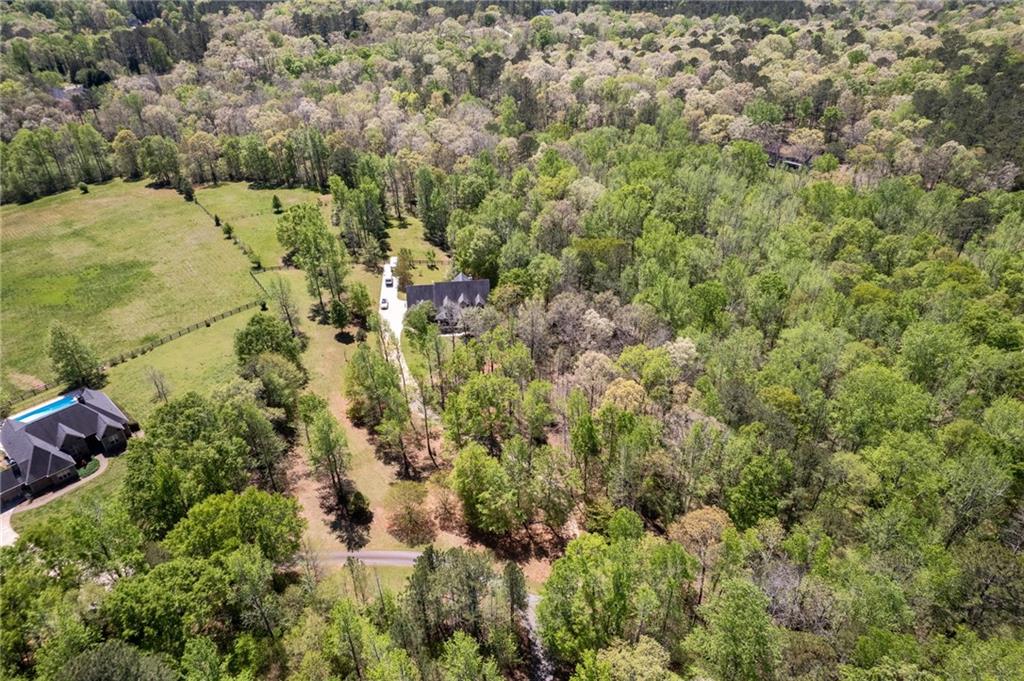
(411, 236)
(122, 265)
(250, 213)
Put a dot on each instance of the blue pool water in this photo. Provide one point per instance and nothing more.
(44, 409)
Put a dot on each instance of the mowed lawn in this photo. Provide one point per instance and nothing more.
(97, 490)
(411, 237)
(250, 212)
(122, 265)
(197, 362)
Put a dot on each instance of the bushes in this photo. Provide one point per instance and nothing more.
(89, 468)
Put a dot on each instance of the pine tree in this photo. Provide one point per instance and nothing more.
(74, 362)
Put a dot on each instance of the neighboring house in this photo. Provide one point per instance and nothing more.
(44, 446)
(789, 156)
(450, 297)
(66, 94)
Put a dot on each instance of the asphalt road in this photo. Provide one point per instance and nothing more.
(392, 558)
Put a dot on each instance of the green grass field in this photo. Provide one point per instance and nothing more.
(250, 213)
(122, 265)
(199, 362)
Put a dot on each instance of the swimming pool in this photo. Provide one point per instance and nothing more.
(44, 409)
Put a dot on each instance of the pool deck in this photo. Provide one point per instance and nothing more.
(40, 410)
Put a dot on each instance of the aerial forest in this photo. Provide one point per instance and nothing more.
(751, 368)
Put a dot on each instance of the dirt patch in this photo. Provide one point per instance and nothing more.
(536, 571)
(25, 381)
(308, 490)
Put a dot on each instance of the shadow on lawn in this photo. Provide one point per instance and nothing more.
(350, 516)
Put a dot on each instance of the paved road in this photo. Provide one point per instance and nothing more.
(7, 534)
(392, 558)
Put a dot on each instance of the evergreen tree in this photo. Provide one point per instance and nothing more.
(74, 362)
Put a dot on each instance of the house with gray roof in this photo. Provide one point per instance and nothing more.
(43, 446)
(450, 297)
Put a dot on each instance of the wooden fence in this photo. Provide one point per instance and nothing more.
(125, 356)
(131, 354)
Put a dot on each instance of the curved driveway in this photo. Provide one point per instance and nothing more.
(7, 534)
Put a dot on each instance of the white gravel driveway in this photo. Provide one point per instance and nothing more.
(395, 313)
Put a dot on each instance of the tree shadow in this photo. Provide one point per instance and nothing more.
(350, 515)
(344, 337)
(408, 466)
(534, 542)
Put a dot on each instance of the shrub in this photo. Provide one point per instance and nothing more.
(83, 187)
(359, 508)
(89, 468)
(826, 163)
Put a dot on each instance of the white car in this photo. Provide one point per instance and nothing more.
(384, 304)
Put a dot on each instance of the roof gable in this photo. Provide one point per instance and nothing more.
(461, 290)
(35, 446)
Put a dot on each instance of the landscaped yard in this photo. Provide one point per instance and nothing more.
(97, 490)
(122, 265)
(250, 212)
(89, 468)
(199, 361)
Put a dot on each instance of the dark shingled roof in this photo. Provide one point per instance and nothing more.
(34, 447)
(461, 291)
(8, 480)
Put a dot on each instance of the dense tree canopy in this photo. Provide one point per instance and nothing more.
(760, 423)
